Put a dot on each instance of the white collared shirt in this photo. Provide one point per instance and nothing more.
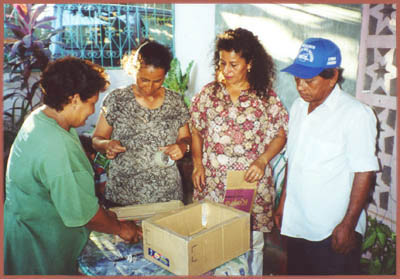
(324, 150)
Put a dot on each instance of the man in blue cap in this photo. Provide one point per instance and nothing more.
(331, 167)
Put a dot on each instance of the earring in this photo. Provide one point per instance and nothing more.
(248, 70)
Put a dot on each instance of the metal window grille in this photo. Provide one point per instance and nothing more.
(103, 33)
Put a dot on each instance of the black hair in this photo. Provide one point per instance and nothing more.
(262, 73)
(150, 53)
(330, 72)
(67, 76)
(155, 54)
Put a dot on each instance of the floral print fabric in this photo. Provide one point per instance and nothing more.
(234, 135)
(133, 176)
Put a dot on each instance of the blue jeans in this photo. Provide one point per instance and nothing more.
(318, 258)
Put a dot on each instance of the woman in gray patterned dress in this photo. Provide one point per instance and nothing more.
(137, 121)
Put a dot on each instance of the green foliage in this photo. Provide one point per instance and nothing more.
(26, 49)
(380, 248)
(176, 81)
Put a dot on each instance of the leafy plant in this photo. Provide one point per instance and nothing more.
(379, 248)
(25, 50)
(176, 81)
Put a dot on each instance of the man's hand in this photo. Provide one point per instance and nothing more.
(344, 236)
(277, 217)
(344, 239)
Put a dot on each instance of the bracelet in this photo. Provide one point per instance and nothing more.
(187, 146)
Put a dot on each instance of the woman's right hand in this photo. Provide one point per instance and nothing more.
(113, 148)
(199, 177)
(130, 232)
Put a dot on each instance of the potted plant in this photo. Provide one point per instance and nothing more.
(26, 50)
(177, 81)
(379, 248)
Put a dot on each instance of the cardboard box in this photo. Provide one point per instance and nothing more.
(143, 211)
(196, 238)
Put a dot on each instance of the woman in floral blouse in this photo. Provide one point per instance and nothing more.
(239, 123)
(138, 121)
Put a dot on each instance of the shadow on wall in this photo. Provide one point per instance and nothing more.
(282, 27)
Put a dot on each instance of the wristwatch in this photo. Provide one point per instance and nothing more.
(187, 147)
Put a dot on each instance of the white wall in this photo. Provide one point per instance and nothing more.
(194, 40)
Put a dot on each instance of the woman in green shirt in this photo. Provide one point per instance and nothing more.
(50, 204)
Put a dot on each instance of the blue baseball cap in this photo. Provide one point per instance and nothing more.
(315, 55)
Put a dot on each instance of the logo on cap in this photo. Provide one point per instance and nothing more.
(315, 55)
(305, 54)
(331, 61)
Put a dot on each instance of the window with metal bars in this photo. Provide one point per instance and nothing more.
(103, 33)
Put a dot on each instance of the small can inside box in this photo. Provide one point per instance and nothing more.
(196, 238)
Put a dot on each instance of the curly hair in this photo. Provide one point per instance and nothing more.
(262, 73)
(149, 53)
(67, 76)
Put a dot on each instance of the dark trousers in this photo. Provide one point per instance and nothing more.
(318, 258)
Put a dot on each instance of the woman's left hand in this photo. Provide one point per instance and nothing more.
(174, 151)
(255, 171)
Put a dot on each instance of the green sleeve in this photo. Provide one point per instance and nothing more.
(74, 197)
(68, 175)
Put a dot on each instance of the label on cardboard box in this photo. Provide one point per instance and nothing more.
(158, 257)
